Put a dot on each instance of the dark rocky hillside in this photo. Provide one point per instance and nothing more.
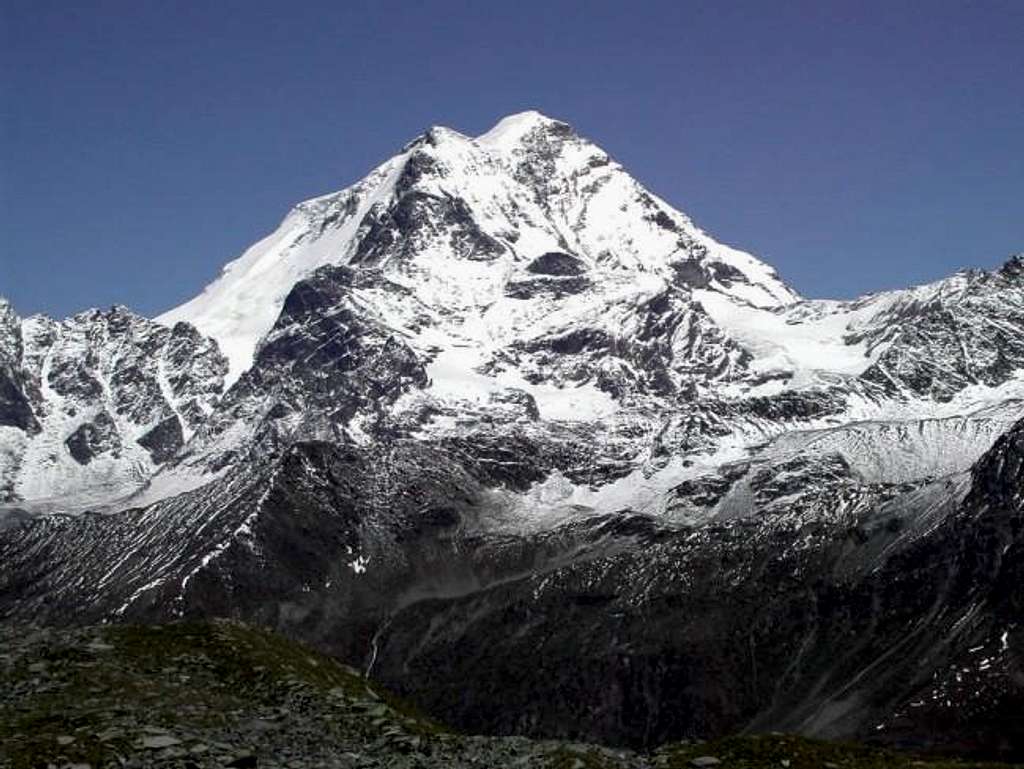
(873, 625)
(225, 695)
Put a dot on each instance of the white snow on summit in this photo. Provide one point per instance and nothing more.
(529, 183)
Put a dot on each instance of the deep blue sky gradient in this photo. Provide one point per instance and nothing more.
(855, 146)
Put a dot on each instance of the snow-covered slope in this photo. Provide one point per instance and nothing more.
(931, 340)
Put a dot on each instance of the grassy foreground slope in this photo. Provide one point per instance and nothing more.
(220, 694)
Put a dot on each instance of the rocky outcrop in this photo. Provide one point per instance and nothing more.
(963, 332)
(15, 406)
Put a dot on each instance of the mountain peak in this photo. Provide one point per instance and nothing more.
(512, 128)
(439, 133)
(454, 219)
(508, 131)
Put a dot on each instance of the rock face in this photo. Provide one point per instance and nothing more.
(944, 336)
(94, 404)
(504, 429)
(15, 408)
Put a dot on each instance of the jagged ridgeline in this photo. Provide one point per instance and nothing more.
(503, 430)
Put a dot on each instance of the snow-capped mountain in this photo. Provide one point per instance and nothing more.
(498, 370)
(520, 279)
(467, 225)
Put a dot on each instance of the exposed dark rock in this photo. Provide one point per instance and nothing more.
(164, 440)
(518, 399)
(627, 621)
(556, 288)
(692, 273)
(554, 263)
(418, 166)
(326, 356)
(93, 438)
(704, 492)
(664, 221)
(15, 409)
(418, 216)
(67, 379)
(726, 274)
(1013, 268)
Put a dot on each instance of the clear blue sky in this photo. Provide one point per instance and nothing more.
(854, 145)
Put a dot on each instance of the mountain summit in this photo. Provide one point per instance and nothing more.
(461, 222)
